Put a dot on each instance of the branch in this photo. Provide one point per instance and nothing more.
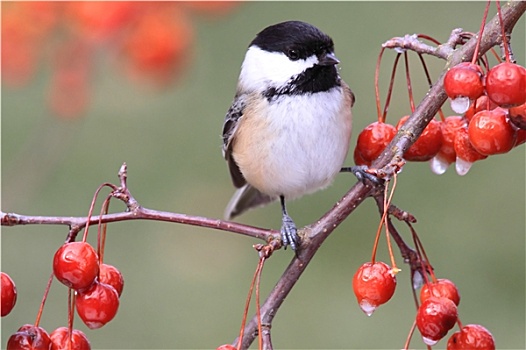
(136, 212)
(78, 223)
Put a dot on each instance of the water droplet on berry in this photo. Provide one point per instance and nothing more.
(418, 280)
(367, 307)
(429, 342)
(438, 165)
(460, 104)
(462, 166)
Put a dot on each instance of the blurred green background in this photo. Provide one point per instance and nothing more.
(185, 287)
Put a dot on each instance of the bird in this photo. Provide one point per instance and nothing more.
(288, 129)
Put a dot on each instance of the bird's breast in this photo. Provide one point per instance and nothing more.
(294, 144)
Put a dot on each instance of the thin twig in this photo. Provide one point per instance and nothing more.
(78, 223)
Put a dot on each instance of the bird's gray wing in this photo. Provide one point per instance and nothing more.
(246, 197)
(232, 118)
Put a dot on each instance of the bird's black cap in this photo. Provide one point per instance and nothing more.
(296, 39)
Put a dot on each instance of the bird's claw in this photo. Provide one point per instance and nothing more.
(363, 173)
(289, 233)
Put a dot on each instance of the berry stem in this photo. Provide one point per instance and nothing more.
(378, 233)
(92, 206)
(382, 116)
(377, 88)
(459, 323)
(71, 311)
(504, 38)
(390, 90)
(101, 229)
(44, 298)
(409, 336)
(247, 305)
(496, 55)
(259, 270)
(477, 47)
(408, 81)
(384, 221)
(424, 261)
(387, 204)
(430, 38)
(428, 76)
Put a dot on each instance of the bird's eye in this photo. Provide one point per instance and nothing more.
(293, 54)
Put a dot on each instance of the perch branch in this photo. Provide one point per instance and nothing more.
(137, 212)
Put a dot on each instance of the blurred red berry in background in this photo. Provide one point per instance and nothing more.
(152, 40)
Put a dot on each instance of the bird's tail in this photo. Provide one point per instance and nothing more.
(246, 197)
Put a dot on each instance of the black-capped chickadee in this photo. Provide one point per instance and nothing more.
(287, 132)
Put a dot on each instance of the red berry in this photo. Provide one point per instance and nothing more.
(97, 305)
(490, 133)
(466, 154)
(446, 155)
(449, 130)
(99, 20)
(506, 84)
(111, 275)
(521, 137)
(463, 83)
(76, 265)
(464, 80)
(427, 145)
(517, 116)
(60, 340)
(373, 284)
(358, 159)
(168, 37)
(441, 288)
(373, 140)
(29, 337)
(480, 104)
(435, 317)
(471, 337)
(8, 294)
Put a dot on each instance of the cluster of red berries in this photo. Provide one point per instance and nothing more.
(374, 284)
(493, 121)
(94, 291)
(98, 286)
(437, 314)
(494, 108)
(75, 33)
(31, 337)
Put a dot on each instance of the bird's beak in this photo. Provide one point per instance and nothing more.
(328, 59)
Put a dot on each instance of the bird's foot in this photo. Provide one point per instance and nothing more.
(363, 173)
(289, 233)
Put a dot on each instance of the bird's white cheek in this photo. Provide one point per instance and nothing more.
(262, 69)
